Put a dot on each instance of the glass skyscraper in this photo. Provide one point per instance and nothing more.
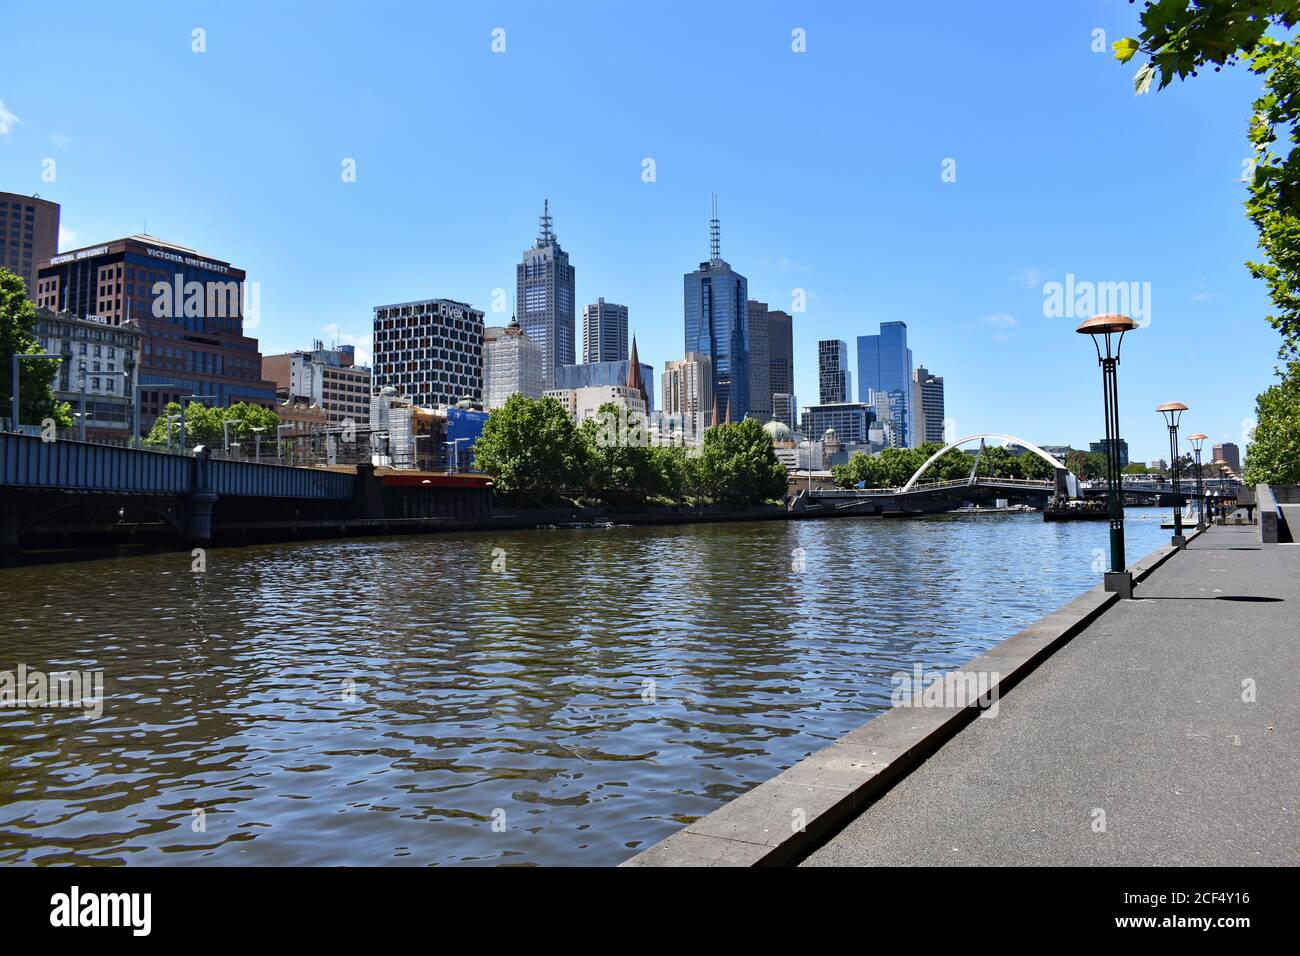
(544, 281)
(885, 365)
(717, 319)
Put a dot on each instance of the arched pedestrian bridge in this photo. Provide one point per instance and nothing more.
(921, 497)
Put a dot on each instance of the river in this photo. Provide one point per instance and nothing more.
(540, 697)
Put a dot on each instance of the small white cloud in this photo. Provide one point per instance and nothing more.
(999, 325)
(60, 140)
(1030, 278)
(66, 237)
(999, 320)
(1206, 296)
(7, 119)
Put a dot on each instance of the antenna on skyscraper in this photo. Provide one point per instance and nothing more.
(715, 243)
(545, 235)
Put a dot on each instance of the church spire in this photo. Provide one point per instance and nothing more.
(634, 378)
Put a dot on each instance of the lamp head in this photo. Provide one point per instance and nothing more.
(1172, 411)
(1102, 327)
(1197, 440)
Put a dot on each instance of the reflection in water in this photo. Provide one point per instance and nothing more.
(398, 701)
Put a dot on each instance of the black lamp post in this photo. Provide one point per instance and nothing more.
(1107, 333)
(1172, 412)
(1196, 441)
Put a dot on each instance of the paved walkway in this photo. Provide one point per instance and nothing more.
(1140, 716)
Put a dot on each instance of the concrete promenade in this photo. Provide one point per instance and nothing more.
(1141, 717)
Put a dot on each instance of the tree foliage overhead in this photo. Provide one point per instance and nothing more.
(36, 376)
(1179, 38)
(1274, 452)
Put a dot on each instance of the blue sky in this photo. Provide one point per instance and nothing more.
(827, 165)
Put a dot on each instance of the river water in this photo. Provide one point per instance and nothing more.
(541, 697)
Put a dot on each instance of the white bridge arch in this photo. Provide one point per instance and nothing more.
(1006, 439)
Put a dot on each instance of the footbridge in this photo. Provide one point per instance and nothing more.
(929, 497)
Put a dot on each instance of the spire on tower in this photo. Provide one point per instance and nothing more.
(715, 243)
(634, 377)
(545, 235)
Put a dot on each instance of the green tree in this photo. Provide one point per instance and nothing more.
(531, 447)
(1273, 456)
(36, 377)
(737, 464)
(620, 464)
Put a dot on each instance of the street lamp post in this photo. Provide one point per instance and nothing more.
(1196, 441)
(1107, 332)
(257, 430)
(454, 444)
(1172, 412)
(81, 417)
(225, 431)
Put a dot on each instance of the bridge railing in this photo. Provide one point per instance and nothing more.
(28, 462)
(924, 486)
(279, 481)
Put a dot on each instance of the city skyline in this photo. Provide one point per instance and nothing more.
(792, 220)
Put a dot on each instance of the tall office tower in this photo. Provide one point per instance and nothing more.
(785, 408)
(327, 378)
(780, 361)
(688, 394)
(834, 380)
(430, 351)
(717, 317)
(927, 405)
(885, 365)
(760, 372)
(29, 235)
(512, 365)
(604, 332)
(1228, 453)
(191, 313)
(544, 283)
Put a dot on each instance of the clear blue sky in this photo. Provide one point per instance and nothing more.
(827, 167)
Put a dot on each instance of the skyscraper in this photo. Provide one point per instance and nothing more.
(834, 381)
(604, 332)
(688, 394)
(927, 405)
(760, 372)
(29, 235)
(780, 351)
(1228, 453)
(715, 298)
(545, 288)
(885, 365)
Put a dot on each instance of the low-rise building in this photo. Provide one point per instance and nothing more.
(584, 403)
(100, 360)
(327, 378)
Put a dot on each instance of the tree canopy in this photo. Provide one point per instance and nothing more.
(36, 376)
(1181, 37)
